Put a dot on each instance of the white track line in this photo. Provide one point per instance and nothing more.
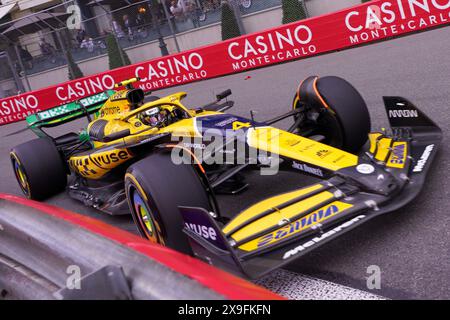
(294, 286)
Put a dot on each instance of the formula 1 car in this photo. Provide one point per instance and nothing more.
(165, 163)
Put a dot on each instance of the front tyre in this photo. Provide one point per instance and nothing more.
(155, 188)
(334, 110)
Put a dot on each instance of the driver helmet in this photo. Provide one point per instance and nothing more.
(152, 117)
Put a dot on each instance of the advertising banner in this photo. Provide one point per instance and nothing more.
(366, 23)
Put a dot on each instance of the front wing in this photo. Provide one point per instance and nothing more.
(325, 210)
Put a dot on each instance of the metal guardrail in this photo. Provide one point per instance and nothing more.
(39, 253)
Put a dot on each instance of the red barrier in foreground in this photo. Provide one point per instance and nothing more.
(221, 282)
(373, 21)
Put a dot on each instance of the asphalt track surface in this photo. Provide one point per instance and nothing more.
(411, 246)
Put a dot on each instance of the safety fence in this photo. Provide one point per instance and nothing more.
(43, 40)
(366, 23)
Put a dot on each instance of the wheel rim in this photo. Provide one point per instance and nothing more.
(329, 127)
(21, 177)
(326, 125)
(144, 216)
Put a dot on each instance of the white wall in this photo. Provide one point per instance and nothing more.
(263, 20)
(7, 86)
(49, 78)
(319, 7)
(28, 4)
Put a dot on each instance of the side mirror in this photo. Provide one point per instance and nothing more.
(135, 96)
(224, 95)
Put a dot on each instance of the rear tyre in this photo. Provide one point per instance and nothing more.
(336, 111)
(155, 187)
(39, 169)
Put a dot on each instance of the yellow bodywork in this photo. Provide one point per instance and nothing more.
(299, 148)
(304, 224)
(397, 159)
(283, 215)
(119, 117)
(96, 165)
(256, 209)
(116, 111)
(384, 149)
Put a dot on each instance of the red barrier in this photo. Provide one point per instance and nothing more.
(373, 21)
(219, 281)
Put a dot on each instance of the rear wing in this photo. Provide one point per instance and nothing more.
(69, 112)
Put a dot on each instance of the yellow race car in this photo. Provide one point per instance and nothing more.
(164, 163)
